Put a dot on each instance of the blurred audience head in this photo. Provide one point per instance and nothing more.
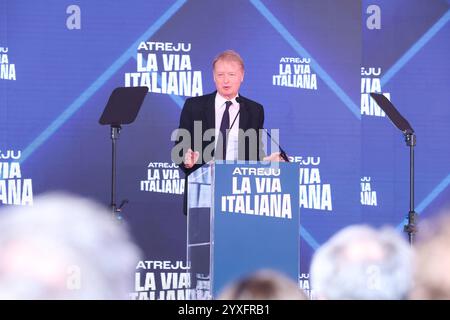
(263, 285)
(432, 268)
(361, 262)
(64, 247)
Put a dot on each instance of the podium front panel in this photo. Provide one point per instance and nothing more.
(256, 221)
(241, 218)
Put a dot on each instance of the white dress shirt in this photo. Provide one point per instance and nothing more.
(232, 145)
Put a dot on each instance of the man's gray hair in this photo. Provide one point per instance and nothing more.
(65, 247)
(361, 262)
(229, 55)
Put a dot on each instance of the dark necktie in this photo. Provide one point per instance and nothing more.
(224, 126)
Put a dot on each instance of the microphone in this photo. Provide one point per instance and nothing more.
(282, 153)
(238, 100)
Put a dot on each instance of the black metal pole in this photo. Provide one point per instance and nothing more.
(411, 228)
(115, 131)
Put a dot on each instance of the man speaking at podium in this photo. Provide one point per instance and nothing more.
(221, 125)
(218, 116)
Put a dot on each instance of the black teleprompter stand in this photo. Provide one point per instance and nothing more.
(410, 138)
(122, 108)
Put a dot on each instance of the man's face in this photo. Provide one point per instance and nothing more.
(228, 76)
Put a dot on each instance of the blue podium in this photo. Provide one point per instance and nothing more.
(242, 217)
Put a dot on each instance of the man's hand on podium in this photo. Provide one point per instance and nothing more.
(190, 158)
(276, 156)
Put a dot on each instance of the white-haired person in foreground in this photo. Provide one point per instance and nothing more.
(264, 284)
(432, 273)
(64, 247)
(361, 262)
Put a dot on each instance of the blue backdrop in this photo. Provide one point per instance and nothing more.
(310, 63)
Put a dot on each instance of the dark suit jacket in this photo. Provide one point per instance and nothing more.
(202, 108)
